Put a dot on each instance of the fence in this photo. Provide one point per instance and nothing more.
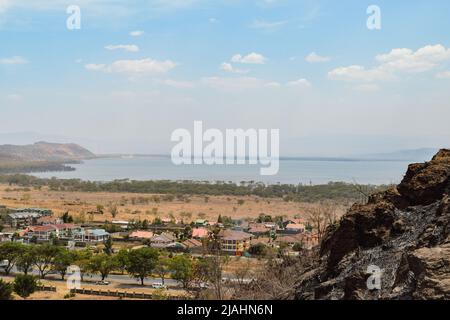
(121, 294)
(47, 288)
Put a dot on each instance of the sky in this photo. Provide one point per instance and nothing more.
(137, 70)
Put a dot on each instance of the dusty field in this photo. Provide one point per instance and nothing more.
(143, 206)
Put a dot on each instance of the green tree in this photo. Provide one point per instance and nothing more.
(45, 256)
(82, 260)
(63, 260)
(122, 260)
(27, 259)
(108, 249)
(6, 290)
(162, 268)
(142, 262)
(182, 269)
(25, 285)
(102, 264)
(11, 252)
(259, 249)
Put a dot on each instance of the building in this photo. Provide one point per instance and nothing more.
(258, 229)
(163, 240)
(200, 233)
(25, 217)
(91, 236)
(234, 242)
(123, 224)
(141, 235)
(201, 223)
(63, 231)
(194, 246)
(294, 228)
(46, 220)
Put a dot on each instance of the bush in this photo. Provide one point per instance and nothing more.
(6, 290)
(25, 285)
(259, 249)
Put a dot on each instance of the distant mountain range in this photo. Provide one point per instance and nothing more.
(419, 155)
(44, 151)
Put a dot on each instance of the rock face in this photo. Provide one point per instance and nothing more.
(403, 232)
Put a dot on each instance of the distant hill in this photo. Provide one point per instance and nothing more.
(417, 155)
(44, 151)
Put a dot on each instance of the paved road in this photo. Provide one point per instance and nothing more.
(121, 279)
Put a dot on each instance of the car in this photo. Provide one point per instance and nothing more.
(102, 283)
(4, 264)
(158, 285)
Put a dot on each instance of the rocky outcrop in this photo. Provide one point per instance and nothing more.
(402, 232)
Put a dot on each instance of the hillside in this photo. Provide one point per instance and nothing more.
(44, 151)
(403, 231)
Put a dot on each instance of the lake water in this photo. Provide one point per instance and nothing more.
(292, 171)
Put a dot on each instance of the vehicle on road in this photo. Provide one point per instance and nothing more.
(102, 283)
(158, 285)
(4, 264)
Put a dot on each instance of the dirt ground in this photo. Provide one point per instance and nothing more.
(143, 206)
(62, 291)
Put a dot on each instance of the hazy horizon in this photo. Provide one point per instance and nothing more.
(136, 72)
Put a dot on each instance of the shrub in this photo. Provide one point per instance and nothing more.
(6, 290)
(25, 285)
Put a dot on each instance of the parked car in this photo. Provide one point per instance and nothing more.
(102, 283)
(158, 285)
(3, 264)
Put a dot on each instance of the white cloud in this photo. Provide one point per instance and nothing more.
(13, 60)
(126, 47)
(359, 73)
(252, 58)
(301, 83)
(95, 67)
(315, 58)
(136, 33)
(397, 61)
(443, 75)
(228, 67)
(134, 67)
(236, 84)
(273, 84)
(268, 25)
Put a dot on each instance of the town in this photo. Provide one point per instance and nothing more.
(181, 259)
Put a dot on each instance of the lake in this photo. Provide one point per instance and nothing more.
(292, 171)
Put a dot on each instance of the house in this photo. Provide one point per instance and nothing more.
(234, 242)
(162, 240)
(201, 223)
(258, 229)
(307, 239)
(26, 217)
(194, 246)
(293, 221)
(5, 237)
(141, 235)
(92, 235)
(46, 220)
(200, 233)
(63, 231)
(22, 219)
(294, 228)
(121, 223)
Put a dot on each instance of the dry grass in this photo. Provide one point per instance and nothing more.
(80, 203)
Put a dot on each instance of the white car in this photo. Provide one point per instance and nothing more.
(3, 264)
(158, 286)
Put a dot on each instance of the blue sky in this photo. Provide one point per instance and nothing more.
(310, 68)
